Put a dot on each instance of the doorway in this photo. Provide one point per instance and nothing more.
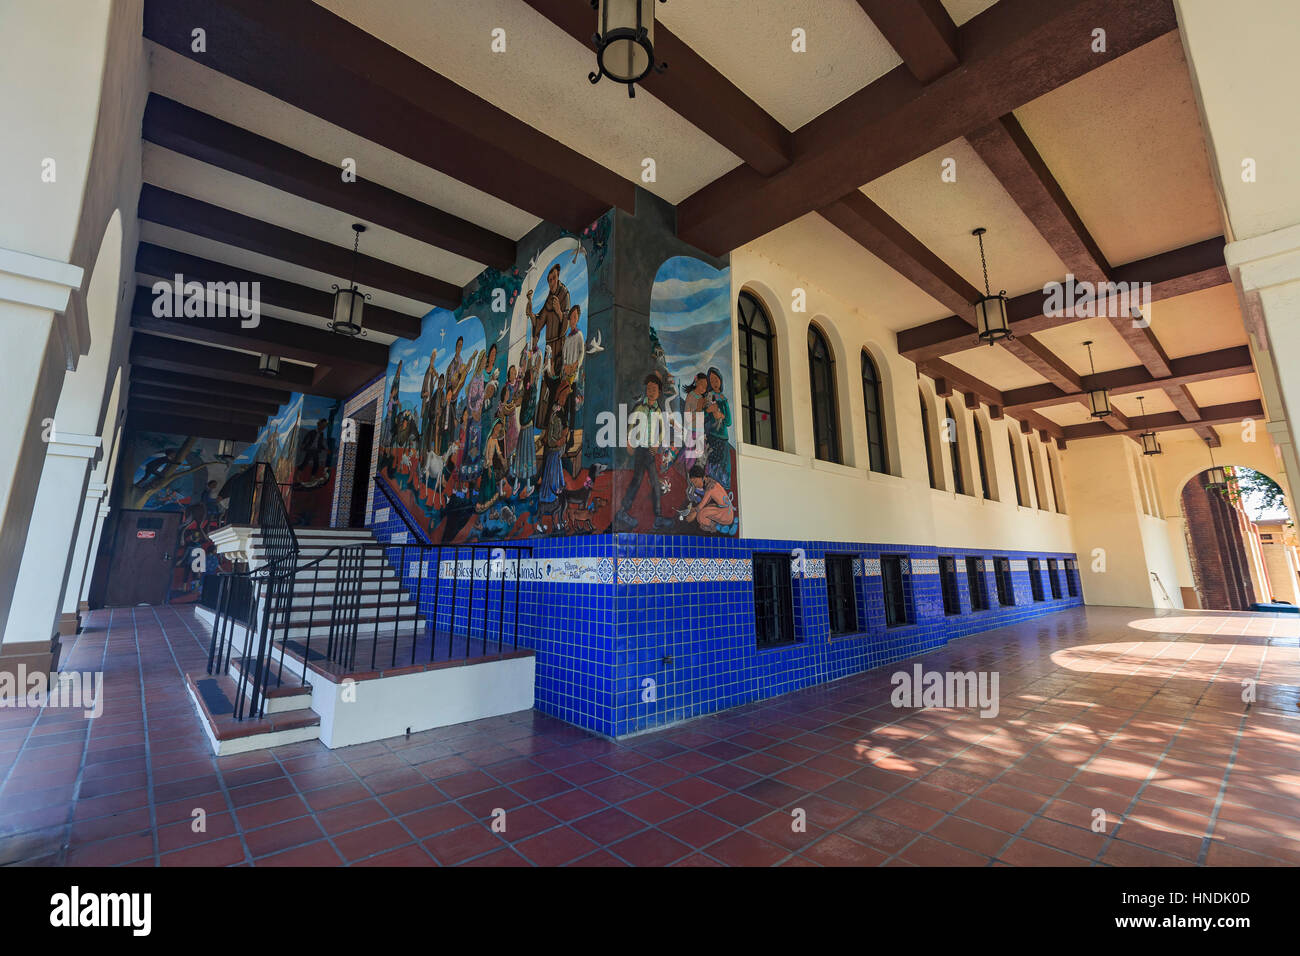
(360, 475)
(140, 565)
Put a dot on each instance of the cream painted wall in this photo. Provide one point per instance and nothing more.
(789, 494)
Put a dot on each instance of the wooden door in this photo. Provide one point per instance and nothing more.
(144, 550)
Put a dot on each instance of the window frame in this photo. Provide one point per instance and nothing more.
(949, 586)
(846, 622)
(827, 400)
(747, 333)
(1053, 577)
(897, 611)
(982, 459)
(1002, 578)
(1036, 579)
(977, 585)
(929, 449)
(958, 481)
(873, 394)
(782, 602)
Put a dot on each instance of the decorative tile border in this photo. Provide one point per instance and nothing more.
(590, 570)
(683, 570)
(925, 565)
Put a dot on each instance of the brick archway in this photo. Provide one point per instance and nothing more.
(1220, 565)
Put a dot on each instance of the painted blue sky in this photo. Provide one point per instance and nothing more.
(573, 275)
(690, 310)
(440, 331)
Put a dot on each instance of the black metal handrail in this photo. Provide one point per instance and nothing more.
(396, 505)
(389, 596)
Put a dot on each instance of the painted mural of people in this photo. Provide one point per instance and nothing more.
(315, 447)
(508, 414)
(693, 404)
(155, 466)
(393, 408)
(711, 506)
(553, 314)
(473, 432)
(526, 453)
(428, 403)
(647, 409)
(717, 420)
(559, 428)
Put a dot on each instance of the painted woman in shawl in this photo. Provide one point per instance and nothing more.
(473, 441)
(693, 403)
(394, 407)
(508, 413)
(559, 427)
(717, 419)
(494, 466)
(526, 451)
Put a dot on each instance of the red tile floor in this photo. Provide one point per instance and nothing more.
(1125, 713)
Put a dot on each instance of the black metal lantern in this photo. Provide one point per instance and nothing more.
(225, 450)
(1216, 479)
(1098, 398)
(990, 310)
(625, 41)
(1150, 444)
(269, 365)
(349, 302)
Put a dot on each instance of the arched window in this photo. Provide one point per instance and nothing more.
(757, 373)
(1015, 470)
(929, 450)
(1039, 492)
(983, 463)
(875, 408)
(1056, 486)
(821, 381)
(954, 437)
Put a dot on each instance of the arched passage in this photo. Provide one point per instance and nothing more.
(1240, 540)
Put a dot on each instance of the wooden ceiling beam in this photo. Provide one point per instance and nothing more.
(189, 132)
(1227, 414)
(1179, 272)
(1012, 53)
(317, 61)
(170, 355)
(1203, 367)
(920, 31)
(290, 340)
(163, 263)
(208, 413)
(176, 396)
(692, 89)
(189, 427)
(213, 387)
(171, 209)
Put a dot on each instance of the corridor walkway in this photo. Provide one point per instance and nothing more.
(1129, 716)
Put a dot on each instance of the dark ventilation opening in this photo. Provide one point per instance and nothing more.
(948, 582)
(975, 583)
(1002, 573)
(1072, 577)
(773, 600)
(840, 598)
(891, 581)
(1036, 578)
(1054, 577)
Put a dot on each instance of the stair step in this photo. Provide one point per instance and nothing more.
(214, 699)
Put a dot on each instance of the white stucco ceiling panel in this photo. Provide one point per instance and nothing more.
(825, 257)
(1126, 145)
(216, 94)
(1198, 322)
(189, 177)
(996, 366)
(942, 215)
(750, 42)
(1109, 350)
(541, 79)
(1221, 391)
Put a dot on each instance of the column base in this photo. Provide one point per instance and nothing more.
(83, 607)
(69, 623)
(31, 657)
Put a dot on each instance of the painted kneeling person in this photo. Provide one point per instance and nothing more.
(711, 506)
(647, 427)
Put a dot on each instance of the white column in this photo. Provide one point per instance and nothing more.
(48, 552)
(82, 555)
(84, 596)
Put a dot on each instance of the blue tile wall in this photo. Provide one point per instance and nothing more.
(633, 632)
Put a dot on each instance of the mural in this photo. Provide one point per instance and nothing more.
(181, 474)
(484, 415)
(300, 443)
(684, 483)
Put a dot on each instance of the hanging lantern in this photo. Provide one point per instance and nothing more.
(1150, 444)
(1216, 479)
(225, 450)
(269, 365)
(1098, 398)
(349, 302)
(625, 41)
(990, 310)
